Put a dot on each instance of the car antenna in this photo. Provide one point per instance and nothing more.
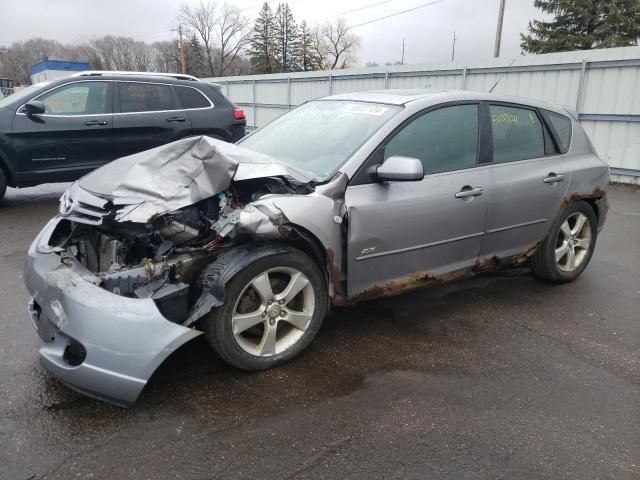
(503, 74)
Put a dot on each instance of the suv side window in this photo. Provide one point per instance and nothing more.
(192, 97)
(145, 97)
(443, 139)
(561, 127)
(77, 98)
(517, 134)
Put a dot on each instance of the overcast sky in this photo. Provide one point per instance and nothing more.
(428, 31)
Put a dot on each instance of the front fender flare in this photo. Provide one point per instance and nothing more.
(229, 263)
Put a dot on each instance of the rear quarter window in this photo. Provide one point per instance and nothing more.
(192, 98)
(561, 127)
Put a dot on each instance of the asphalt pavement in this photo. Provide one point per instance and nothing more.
(498, 376)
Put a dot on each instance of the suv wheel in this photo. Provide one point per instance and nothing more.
(272, 311)
(3, 184)
(568, 248)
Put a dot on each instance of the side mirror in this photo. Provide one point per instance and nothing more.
(401, 169)
(34, 107)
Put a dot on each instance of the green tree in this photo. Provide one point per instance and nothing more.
(287, 39)
(583, 25)
(307, 56)
(262, 46)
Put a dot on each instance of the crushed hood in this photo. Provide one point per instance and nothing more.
(179, 174)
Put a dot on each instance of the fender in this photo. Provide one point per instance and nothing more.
(229, 263)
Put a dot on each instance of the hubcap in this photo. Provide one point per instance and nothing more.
(572, 244)
(273, 311)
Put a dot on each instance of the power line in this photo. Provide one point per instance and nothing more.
(395, 14)
(351, 11)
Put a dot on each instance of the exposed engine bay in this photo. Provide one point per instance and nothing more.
(163, 258)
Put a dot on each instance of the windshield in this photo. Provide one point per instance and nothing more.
(320, 136)
(22, 93)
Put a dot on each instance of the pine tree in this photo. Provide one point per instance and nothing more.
(307, 57)
(287, 39)
(583, 25)
(263, 46)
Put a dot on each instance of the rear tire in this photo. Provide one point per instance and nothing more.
(567, 250)
(272, 311)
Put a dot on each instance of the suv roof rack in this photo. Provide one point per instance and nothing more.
(91, 73)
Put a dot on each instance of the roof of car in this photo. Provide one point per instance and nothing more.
(405, 96)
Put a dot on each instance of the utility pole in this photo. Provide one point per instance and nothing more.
(180, 46)
(402, 61)
(453, 47)
(496, 50)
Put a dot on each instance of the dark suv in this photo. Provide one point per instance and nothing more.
(57, 131)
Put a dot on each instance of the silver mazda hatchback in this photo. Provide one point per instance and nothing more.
(340, 200)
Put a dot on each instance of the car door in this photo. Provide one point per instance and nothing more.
(148, 115)
(73, 136)
(401, 233)
(529, 180)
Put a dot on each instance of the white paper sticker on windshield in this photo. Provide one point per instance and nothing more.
(366, 109)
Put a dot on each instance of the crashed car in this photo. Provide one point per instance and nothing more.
(342, 199)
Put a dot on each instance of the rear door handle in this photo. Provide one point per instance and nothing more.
(176, 119)
(553, 178)
(469, 191)
(92, 123)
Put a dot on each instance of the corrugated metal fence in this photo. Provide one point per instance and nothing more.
(602, 85)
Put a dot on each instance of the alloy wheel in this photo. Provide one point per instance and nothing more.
(573, 242)
(273, 311)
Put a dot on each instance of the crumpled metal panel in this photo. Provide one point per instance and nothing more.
(179, 174)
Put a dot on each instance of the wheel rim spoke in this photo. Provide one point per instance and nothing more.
(565, 229)
(561, 251)
(267, 344)
(300, 320)
(571, 259)
(582, 243)
(262, 285)
(297, 282)
(242, 322)
(577, 228)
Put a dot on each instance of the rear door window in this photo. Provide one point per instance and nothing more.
(444, 139)
(145, 97)
(517, 133)
(561, 127)
(192, 98)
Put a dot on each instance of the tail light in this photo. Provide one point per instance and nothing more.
(238, 114)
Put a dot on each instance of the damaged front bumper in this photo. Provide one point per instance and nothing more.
(101, 344)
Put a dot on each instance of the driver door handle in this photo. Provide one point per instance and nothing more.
(92, 123)
(469, 191)
(176, 119)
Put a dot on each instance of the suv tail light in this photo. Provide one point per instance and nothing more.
(238, 114)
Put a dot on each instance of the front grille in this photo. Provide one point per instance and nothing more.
(81, 206)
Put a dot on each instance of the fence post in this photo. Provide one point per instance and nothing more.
(253, 100)
(464, 78)
(583, 72)
(386, 79)
(289, 93)
(227, 85)
(330, 84)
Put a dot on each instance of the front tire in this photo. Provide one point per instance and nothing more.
(272, 311)
(567, 250)
(3, 184)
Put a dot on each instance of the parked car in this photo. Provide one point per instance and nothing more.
(60, 130)
(342, 199)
